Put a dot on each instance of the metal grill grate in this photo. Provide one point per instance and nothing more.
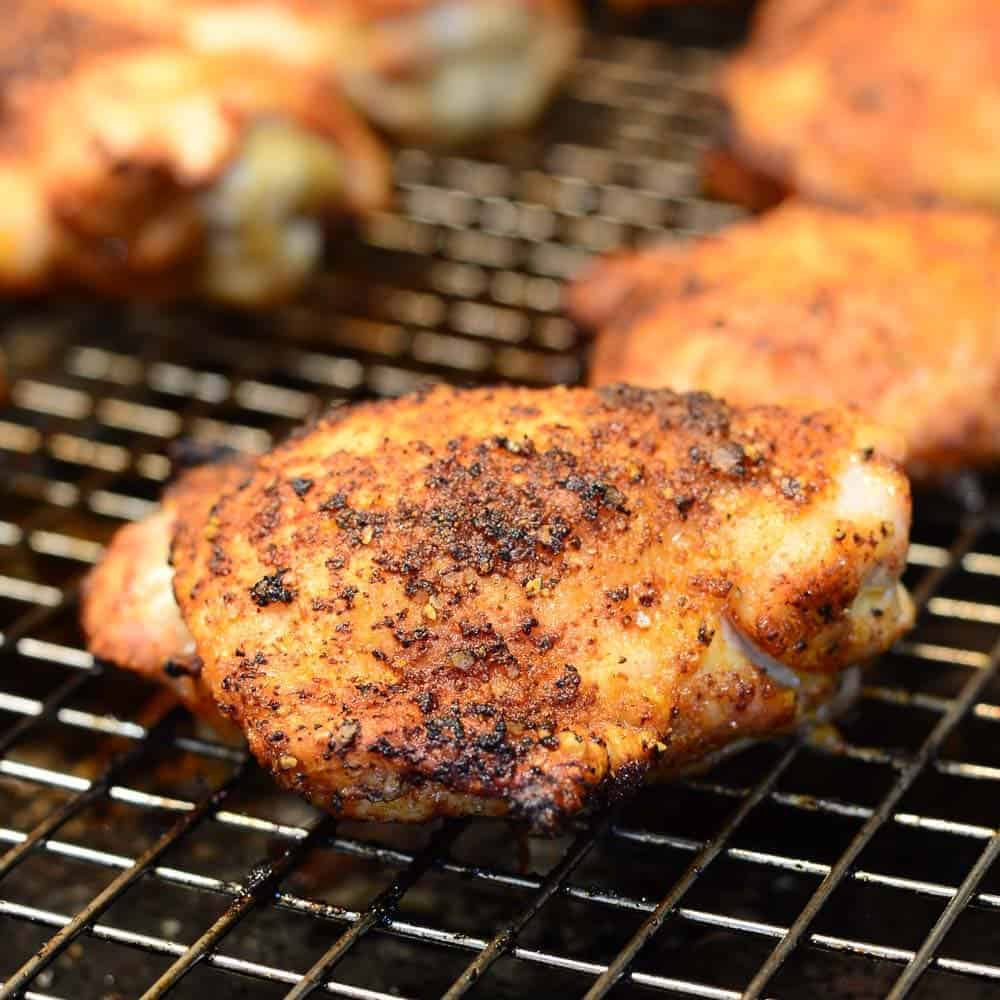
(142, 857)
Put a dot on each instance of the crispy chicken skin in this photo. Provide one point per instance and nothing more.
(440, 70)
(135, 165)
(872, 100)
(127, 607)
(525, 602)
(893, 311)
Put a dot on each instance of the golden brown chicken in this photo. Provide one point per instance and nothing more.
(128, 612)
(135, 165)
(893, 311)
(872, 100)
(517, 602)
(443, 70)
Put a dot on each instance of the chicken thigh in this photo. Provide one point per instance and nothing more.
(862, 101)
(440, 70)
(891, 311)
(135, 165)
(526, 602)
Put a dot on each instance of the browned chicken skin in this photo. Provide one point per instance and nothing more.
(524, 602)
(892, 311)
(128, 612)
(726, 177)
(439, 70)
(872, 100)
(136, 165)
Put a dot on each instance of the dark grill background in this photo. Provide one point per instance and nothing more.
(155, 855)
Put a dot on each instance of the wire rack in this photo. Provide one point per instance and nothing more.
(143, 857)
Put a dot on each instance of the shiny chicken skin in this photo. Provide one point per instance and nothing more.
(892, 311)
(524, 603)
(439, 70)
(861, 101)
(134, 165)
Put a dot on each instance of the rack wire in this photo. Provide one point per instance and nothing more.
(145, 858)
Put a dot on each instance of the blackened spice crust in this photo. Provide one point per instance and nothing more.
(272, 590)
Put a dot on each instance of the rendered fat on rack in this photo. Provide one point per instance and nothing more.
(893, 311)
(517, 602)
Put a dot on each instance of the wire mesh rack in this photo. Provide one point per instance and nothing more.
(143, 857)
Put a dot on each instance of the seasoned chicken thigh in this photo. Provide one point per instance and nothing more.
(892, 311)
(135, 165)
(517, 602)
(444, 70)
(862, 101)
